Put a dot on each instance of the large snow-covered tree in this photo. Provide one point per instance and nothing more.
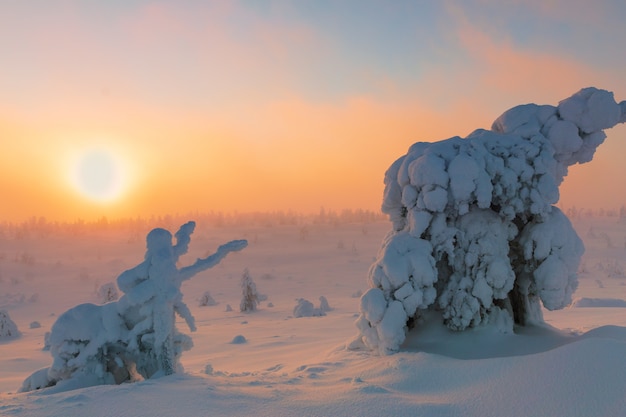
(476, 235)
(135, 336)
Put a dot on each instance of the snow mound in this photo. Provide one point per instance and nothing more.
(475, 232)
(534, 382)
(239, 340)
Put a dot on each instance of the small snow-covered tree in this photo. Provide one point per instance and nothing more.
(206, 300)
(137, 335)
(107, 293)
(324, 306)
(475, 233)
(8, 328)
(250, 297)
(305, 308)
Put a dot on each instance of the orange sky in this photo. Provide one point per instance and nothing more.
(278, 106)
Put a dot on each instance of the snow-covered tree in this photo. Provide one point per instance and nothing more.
(476, 235)
(250, 297)
(107, 293)
(206, 300)
(135, 337)
(8, 328)
(324, 306)
(305, 308)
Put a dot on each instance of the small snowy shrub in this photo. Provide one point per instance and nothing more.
(250, 297)
(324, 306)
(475, 232)
(26, 259)
(8, 329)
(107, 293)
(607, 240)
(206, 300)
(34, 325)
(305, 308)
(136, 336)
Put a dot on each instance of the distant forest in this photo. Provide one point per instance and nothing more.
(40, 226)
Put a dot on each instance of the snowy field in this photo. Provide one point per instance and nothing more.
(291, 366)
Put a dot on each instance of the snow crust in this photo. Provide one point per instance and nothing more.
(475, 232)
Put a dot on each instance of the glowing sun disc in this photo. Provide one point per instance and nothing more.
(97, 175)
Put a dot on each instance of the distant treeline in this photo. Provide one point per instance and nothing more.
(576, 213)
(40, 226)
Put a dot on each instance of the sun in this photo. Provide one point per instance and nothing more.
(98, 175)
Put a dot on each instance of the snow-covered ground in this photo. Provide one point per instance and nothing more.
(287, 366)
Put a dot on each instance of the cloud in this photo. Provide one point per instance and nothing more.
(224, 49)
(493, 64)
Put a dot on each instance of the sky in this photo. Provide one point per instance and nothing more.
(141, 108)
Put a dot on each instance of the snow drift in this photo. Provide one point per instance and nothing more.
(476, 235)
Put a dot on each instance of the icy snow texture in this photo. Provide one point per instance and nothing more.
(135, 337)
(475, 231)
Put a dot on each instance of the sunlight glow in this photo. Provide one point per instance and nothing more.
(98, 175)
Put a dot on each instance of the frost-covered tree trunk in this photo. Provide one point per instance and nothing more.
(476, 236)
